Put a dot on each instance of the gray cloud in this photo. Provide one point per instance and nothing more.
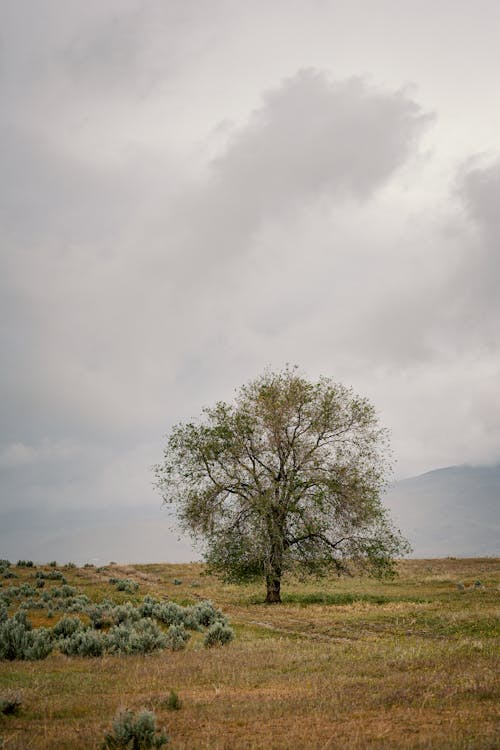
(131, 52)
(480, 278)
(176, 214)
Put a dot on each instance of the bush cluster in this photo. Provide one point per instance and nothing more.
(51, 575)
(141, 637)
(218, 634)
(125, 584)
(113, 629)
(19, 641)
(135, 732)
(195, 617)
(83, 643)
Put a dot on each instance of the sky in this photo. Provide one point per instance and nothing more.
(193, 191)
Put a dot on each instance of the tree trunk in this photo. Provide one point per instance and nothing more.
(273, 583)
(275, 562)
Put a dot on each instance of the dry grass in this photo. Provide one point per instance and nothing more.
(411, 663)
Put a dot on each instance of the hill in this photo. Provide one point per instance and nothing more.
(451, 511)
(447, 512)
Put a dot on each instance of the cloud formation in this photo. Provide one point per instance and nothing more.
(169, 228)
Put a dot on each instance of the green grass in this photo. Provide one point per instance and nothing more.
(342, 663)
(344, 598)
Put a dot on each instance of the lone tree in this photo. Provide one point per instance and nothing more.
(287, 477)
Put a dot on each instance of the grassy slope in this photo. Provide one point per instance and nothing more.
(350, 663)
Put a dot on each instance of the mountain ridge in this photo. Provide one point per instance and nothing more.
(450, 511)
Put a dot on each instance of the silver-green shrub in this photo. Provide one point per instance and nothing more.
(125, 584)
(148, 606)
(40, 645)
(141, 637)
(169, 613)
(67, 626)
(125, 613)
(83, 643)
(14, 639)
(99, 615)
(50, 575)
(135, 732)
(206, 614)
(77, 603)
(19, 641)
(177, 637)
(26, 590)
(218, 634)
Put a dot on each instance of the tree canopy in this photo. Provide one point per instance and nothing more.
(289, 476)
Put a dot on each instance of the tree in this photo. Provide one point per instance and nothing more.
(288, 477)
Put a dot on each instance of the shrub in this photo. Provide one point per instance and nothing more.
(83, 643)
(40, 583)
(177, 638)
(24, 563)
(4, 563)
(148, 606)
(177, 582)
(169, 613)
(10, 703)
(78, 603)
(9, 594)
(173, 701)
(9, 574)
(218, 634)
(51, 575)
(19, 641)
(4, 615)
(52, 564)
(14, 637)
(67, 626)
(141, 637)
(99, 615)
(26, 590)
(63, 592)
(41, 644)
(206, 614)
(125, 613)
(135, 732)
(70, 565)
(125, 584)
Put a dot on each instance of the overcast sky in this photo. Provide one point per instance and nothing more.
(193, 190)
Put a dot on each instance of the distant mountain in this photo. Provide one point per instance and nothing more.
(449, 512)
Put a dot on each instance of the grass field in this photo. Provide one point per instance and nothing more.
(342, 663)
